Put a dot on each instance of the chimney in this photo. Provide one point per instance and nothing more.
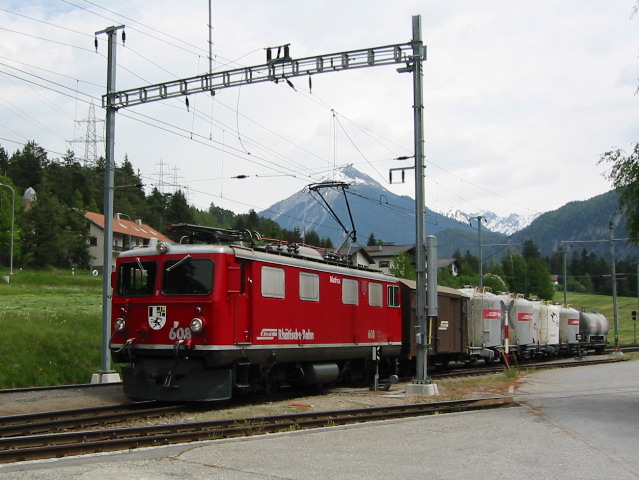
(138, 221)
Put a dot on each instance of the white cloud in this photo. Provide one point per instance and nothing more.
(520, 98)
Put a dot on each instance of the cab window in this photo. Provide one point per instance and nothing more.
(136, 279)
(187, 276)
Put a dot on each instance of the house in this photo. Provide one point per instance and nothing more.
(379, 257)
(126, 235)
(383, 254)
(358, 255)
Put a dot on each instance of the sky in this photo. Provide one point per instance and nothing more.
(521, 99)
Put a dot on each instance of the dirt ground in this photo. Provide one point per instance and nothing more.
(497, 385)
(316, 400)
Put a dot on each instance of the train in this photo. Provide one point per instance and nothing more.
(229, 313)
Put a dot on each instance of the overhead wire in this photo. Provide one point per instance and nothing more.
(77, 89)
(155, 64)
(45, 39)
(299, 90)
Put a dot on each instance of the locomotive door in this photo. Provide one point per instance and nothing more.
(240, 296)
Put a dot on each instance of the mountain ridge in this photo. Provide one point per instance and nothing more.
(302, 210)
(391, 219)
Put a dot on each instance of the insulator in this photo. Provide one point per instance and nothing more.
(123, 37)
(96, 44)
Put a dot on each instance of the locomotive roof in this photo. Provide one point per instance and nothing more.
(263, 254)
(285, 258)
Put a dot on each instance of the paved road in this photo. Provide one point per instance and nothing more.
(578, 423)
(598, 406)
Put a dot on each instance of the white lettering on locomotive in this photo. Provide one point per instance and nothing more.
(286, 334)
(157, 316)
(336, 280)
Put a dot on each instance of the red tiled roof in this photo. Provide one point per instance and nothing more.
(127, 227)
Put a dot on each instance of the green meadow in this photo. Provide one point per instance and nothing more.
(50, 328)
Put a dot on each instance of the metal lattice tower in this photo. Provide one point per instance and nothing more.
(91, 139)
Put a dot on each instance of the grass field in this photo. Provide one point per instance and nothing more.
(51, 325)
(51, 328)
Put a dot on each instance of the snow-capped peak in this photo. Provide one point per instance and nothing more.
(348, 174)
(493, 222)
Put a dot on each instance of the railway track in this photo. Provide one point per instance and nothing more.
(100, 429)
(477, 371)
(59, 444)
(65, 420)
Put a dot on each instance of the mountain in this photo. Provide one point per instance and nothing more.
(493, 222)
(375, 210)
(391, 218)
(586, 222)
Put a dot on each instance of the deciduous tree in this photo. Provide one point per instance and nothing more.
(624, 175)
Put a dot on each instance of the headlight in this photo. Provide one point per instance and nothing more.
(120, 325)
(197, 325)
(162, 247)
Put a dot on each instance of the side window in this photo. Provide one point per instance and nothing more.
(272, 282)
(349, 292)
(375, 297)
(393, 296)
(136, 279)
(309, 287)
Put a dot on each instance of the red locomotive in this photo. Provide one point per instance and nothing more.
(198, 321)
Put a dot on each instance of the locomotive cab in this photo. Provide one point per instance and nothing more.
(164, 311)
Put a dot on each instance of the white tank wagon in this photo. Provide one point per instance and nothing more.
(594, 327)
(486, 320)
(546, 326)
(569, 338)
(522, 335)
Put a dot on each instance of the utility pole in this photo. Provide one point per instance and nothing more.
(91, 139)
(13, 215)
(210, 39)
(422, 383)
(565, 277)
(634, 316)
(615, 308)
(479, 218)
(106, 374)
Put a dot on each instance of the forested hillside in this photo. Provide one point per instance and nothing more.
(51, 230)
